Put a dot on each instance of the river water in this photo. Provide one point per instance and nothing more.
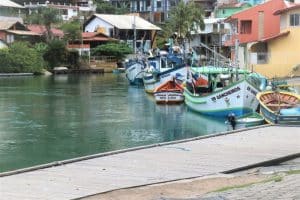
(45, 119)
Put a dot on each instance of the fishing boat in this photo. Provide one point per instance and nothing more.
(279, 107)
(134, 70)
(169, 92)
(162, 69)
(222, 91)
(251, 119)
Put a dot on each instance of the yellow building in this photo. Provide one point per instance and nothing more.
(279, 56)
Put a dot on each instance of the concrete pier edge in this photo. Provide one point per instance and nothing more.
(63, 162)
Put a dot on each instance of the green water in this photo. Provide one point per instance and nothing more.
(45, 119)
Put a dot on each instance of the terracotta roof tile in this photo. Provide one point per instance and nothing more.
(40, 29)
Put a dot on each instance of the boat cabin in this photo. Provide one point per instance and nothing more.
(165, 62)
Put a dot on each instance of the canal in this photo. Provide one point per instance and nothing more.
(45, 119)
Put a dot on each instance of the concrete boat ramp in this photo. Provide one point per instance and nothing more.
(158, 163)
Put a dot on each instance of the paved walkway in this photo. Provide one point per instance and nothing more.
(153, 165)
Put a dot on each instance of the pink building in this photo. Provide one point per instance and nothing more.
(253, 25)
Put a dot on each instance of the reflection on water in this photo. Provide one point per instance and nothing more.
(43, 119)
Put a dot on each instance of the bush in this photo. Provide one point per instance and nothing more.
(20, 57)
(73, 59)
(55, 54)
(116, 49)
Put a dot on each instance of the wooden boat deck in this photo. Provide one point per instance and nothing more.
(153, 164)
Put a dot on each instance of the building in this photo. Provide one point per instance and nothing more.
(281, 51)
(12, 30)
(41, 30)
(252, 25)
(124, 27)
(9, 8)
(95, 38)
(155, 11)
(67, 11)
(213, 36)
(252, 2)
(226, 10)
(207, 6)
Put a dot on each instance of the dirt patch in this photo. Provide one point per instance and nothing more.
(180, 189)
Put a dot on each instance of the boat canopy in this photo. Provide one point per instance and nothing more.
(218, 70)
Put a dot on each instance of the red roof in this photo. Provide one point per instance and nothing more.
(95, 36)
(275, 36)
(40, 29)
(92, 34)
(292, 7)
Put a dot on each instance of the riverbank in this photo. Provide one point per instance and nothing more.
(15, 74)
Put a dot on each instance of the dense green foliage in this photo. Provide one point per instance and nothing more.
(46, 17)
(55, 54)
(72, 31)
(35, 18)
(105, 7)
(72, 59)
(20, 57)
(184, 18)
(116, 49)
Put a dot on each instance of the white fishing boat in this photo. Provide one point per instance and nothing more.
(162, 69)
(134, 71)
(227, 91)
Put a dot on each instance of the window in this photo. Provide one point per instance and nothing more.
(111, 32)
(158, 4)
(215, 27)
(295, 20)
(246, 26)
(65, 12)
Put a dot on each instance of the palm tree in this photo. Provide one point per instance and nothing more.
(184, 18)
(49, 16)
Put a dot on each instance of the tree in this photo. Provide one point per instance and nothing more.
(72, 31)
(55, 54)
(106, 7)
(49, 16)
(184, 18)
(46, 17)
(116, 49)
(35, 17)
(20, 57)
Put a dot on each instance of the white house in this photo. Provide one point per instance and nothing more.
(214, 33)
(7, 6)
(124, 27)
(10, 4)
(66, 11)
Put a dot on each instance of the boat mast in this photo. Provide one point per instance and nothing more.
(134, 35)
